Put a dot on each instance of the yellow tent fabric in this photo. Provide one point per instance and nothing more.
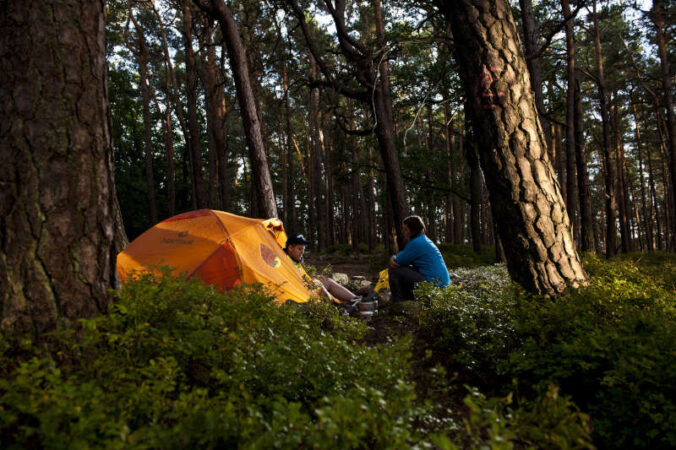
(221, 249)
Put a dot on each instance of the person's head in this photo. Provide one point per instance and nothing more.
(412, 226)
(295, 246)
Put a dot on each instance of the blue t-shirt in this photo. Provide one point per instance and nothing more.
(426, 259)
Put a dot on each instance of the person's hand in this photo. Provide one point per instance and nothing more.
(393, 261)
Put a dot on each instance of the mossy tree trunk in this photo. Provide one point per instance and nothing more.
(531, 216)
(60, 226)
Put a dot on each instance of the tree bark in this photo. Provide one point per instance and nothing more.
(657, 15)
(608, 169)
(262, 182)
(527, 204)
(199, 186)
(60, 225)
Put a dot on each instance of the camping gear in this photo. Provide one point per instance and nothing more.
(221, 249)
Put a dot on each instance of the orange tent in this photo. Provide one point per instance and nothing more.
(219, 248)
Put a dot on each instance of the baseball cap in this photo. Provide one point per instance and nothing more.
(296, 239)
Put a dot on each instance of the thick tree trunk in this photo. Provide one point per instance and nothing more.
(199, 186)
(527, 205)
(60, 226)
(667, 87)
(142, 58)
(608, 168)
(262, 182)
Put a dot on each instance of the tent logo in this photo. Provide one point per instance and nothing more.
(269, 256)
(180, 239)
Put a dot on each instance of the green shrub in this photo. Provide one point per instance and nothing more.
(469, 325)
(176, 365)
(609, 346)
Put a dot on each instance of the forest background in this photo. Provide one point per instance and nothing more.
(341, 119)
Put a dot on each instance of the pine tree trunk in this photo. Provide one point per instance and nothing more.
(624, 211)
(647, 218)
(290, 198)
(450, 149)
(608, 168)
(524, 194)
(475, 190)
(530, 33)
(142, 58)
(316, 159)
(60, 226)
(263, 192)
(199, 186)
(587, 240)
(217, 114)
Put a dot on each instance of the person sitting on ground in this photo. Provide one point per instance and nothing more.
(295, 249)
(420, 260)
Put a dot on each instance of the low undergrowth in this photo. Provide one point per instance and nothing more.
(608, 347)
(176, 364)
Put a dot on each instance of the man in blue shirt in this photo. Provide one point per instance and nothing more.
(419, 261)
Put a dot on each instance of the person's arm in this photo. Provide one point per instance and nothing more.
(409, 254)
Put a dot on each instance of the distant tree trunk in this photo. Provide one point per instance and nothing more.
(458, 205)
(372, 223)
(61, 227)
(624, 211)
(608, 169)
(262, 182)
(530, 33)
(657, 16)
(386, 130)
(527, 204)
(171, 172)
(217, 114)
(475, 189)
(290, 200)
(315, 156)
(199, 186)
(647, 218)
(328, 186)
(357, 195)
(587, 241)
(142, 57)
(450, 149)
